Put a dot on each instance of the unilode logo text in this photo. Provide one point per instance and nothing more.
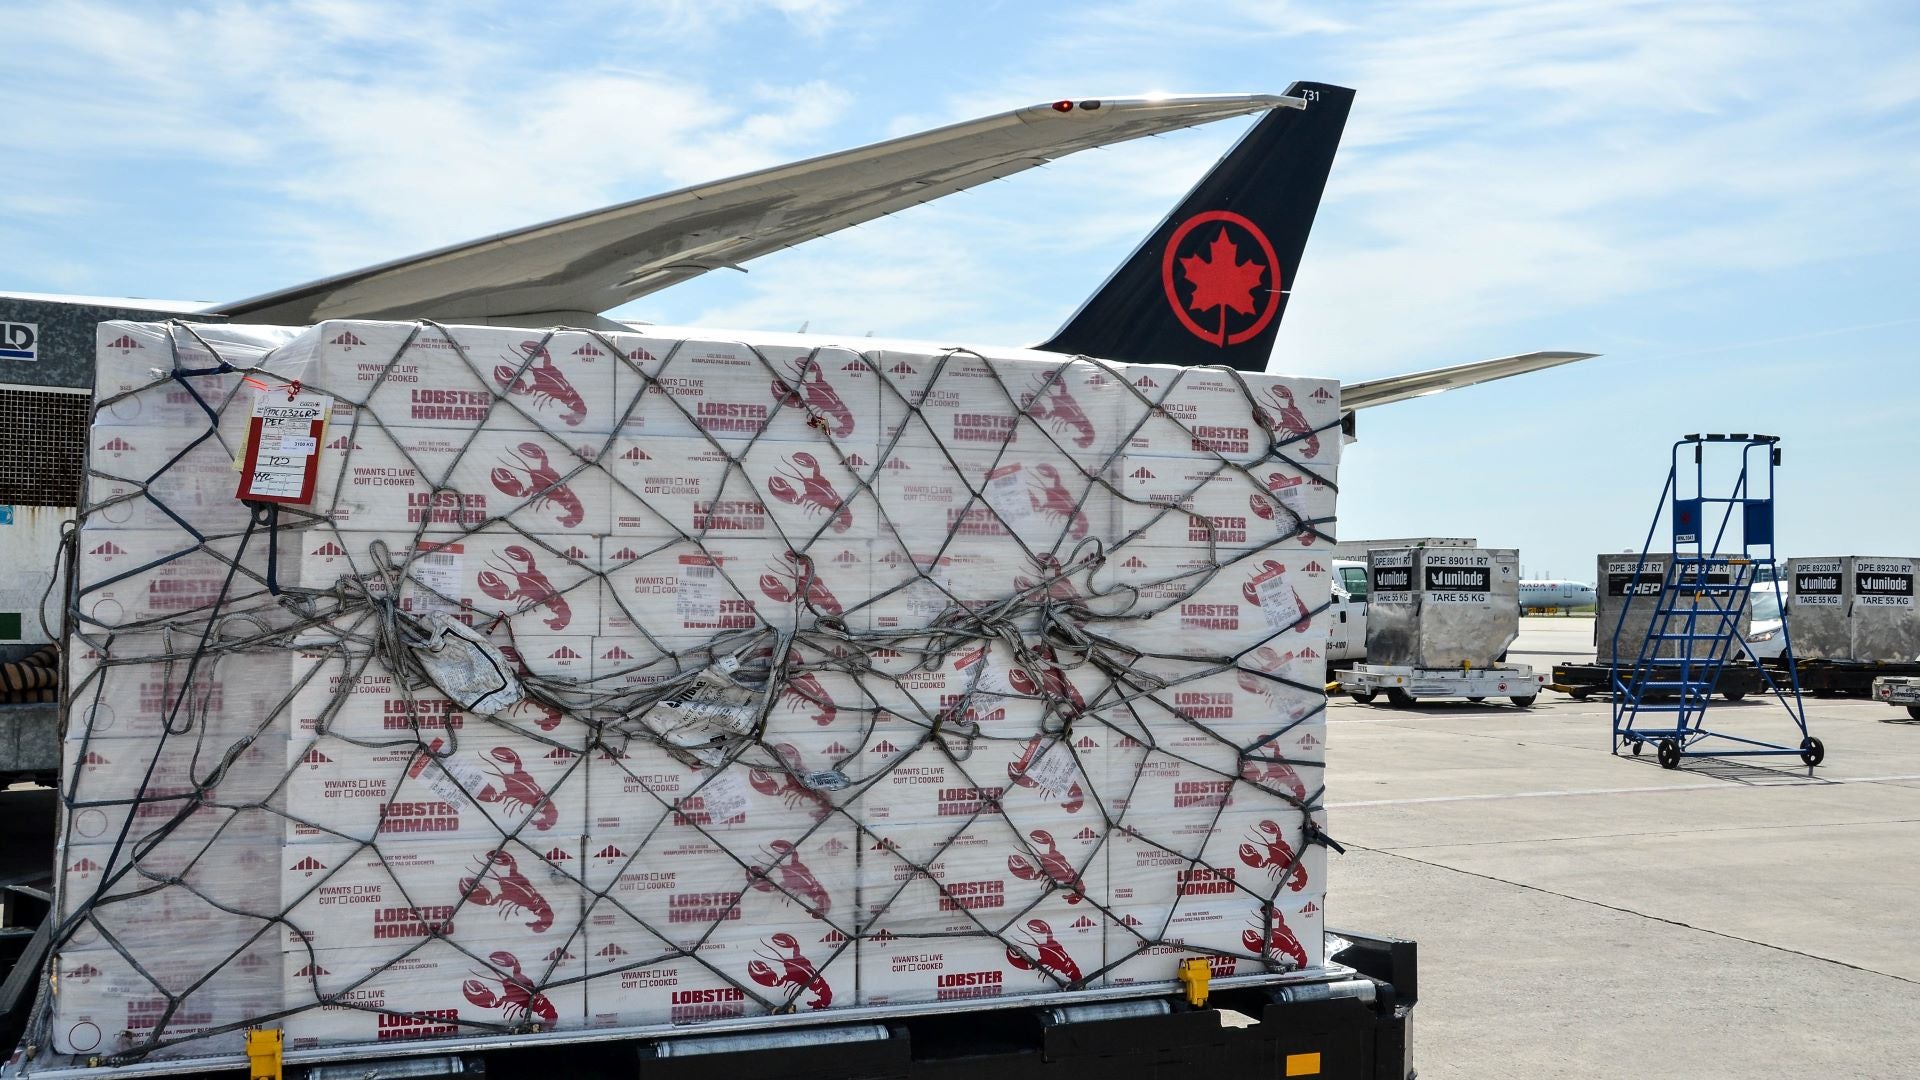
(19, 341)
(1883, 584)
(1457, 579)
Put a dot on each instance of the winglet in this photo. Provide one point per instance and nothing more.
(1362, 395)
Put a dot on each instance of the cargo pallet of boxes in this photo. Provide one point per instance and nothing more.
(488, 685)
(1439, 621)
(1852, 620)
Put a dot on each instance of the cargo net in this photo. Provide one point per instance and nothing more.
(617, 681)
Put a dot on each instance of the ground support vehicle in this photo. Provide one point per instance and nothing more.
(1405, 685)
(1898, 692)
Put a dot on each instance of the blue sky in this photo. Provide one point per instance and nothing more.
(1722, 198)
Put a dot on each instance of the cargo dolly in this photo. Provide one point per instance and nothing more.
(1825, 678)
(1698, 607)
(1737, 679)
(1898, 691)
(1406, 685)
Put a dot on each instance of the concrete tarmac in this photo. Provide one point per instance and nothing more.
(1586, 915)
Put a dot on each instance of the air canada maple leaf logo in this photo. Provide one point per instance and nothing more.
(1221, 277)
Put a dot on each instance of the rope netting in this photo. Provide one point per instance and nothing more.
(838, 678)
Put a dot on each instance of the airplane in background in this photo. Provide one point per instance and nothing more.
(1208, 286)
(1555, 595)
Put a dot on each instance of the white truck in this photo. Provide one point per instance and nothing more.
(1347, 633)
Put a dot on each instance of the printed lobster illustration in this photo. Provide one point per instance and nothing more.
(806, 387)
(530, 586)
(545, 717)
(1272, 942)
(804, 692)
(1049, 956)
(1271, 662)
(1053, 687)
(1273, 775)
(1053, 404)
(1053, 866)
(543, 383)
(518, 791)
(531, 475)
(516, 894)
(1056, 502)
(518, 998)
(793, 878)
(785, 583)
(1289, 419)
(1266, 850)
(784, 966)
(1059, 585)
(1251, 591)
(815, 493)
(1071, 800)
(787, 786)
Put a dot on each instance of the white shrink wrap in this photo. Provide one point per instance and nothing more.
(847, 677)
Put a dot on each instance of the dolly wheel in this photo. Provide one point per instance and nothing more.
(1914, 711)
(1812, 751)
(1733, 695)
(1639, 745)
(1525, 701)
(1477, 700)
(1364, 697)
(1669, 754)
(1580, 692)
(1399, 698)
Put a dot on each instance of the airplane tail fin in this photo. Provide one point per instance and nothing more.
(1211, 282)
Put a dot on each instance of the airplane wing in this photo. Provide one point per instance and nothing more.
(1373, 392)
(582, 265)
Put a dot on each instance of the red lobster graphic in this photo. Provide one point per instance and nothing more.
(794, 970)
(518, 998)
(804, 692)
(529, 586)
(815, 492)
(1273, 774)
(786, 583)
(1054, 500)
(1059, 585)
(1053, 404)
(1265, 850)
(1049, 955)
(1017, 772)
(806, 386)
(788, 786)
(1273, 662)
(518, 790)
(794, 878)
(530, 475)
(1054, 687)
(1053, 867)
(1291, 420)
(1271, 942)
(1252, 593)
(547, 717)
(516, 893)
(543, 383)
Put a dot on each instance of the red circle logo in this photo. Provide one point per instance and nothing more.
(1218, 274)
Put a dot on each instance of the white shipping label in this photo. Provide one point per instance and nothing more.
(698, 594)
(438, 571)
(283, 460)
(1006, 492)
(1278, 601)
(726, 795)
(1055, 771)
(455, 777)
